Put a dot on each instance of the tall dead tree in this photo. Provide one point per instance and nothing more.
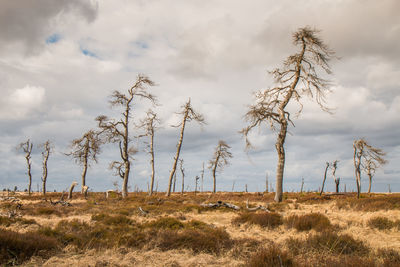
(366, 158)
(219, 160)
(188, 115)
(149, 125)
(117, 131)
(47, 149)
(84, 150)
(26, 147)
(183, 175)
(297, 78)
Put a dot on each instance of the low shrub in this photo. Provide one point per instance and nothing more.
(270, 256)
(8, 221)
(112, 220)
(16, 248)
(381, 223)
(265, 219)
(165, 223)
(390, 257)
(316, 221)
(212, 240)
(328, 242)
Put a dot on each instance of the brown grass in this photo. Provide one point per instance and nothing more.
(270, 256)
(266, 219)
(316, 221)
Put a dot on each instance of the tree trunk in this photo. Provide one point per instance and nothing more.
(357, 163)
(202, 178)
(281, 162)
(30, 176)
(214, 179)
(44, 178)
(85, 166)
(173, 189)
(323, 182)
(337, 181)
(126, 177)
(183, 181)
(370, 180)
(178, 151)
(152, 162)
(71, 189)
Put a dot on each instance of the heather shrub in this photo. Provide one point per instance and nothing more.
(316, 221)
(266, 219)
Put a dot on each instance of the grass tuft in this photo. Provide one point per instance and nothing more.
(270, 256)
(316, 221)
(381, 223)
(267, 219)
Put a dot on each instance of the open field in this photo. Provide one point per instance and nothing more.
(304, 230)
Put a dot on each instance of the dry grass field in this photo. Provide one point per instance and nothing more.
(304, 230)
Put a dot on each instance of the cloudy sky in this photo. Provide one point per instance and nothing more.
(60, 61)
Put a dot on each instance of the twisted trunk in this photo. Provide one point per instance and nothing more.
(357, 169)
(323, 182)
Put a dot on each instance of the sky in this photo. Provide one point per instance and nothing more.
(61, 60)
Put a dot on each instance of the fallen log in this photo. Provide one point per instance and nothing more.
(219, 204)
(259, 207)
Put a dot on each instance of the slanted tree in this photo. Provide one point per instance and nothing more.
(149, 125)
(26, 147)
(297, 78)
(366, 158)
(84, 150)
(219, 160)
(323, 181)
(188, 114)
(47, 150)
(117, 130)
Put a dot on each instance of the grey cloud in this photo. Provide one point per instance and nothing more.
(26, 24)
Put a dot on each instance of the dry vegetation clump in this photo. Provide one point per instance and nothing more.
(328, 242)
(6, 221)
(316, 221)
(370, 202)
(270, 256)
(389, 257)
(16, 248)
(381, 223)
(266, 219)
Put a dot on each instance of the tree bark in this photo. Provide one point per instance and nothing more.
(357, 163)
(85, 165)
(323, 182)
(178, 151)
(214, 174)
(44, 178)
(337, 182)
(370, 180)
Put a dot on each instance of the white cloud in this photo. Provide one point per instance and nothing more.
(22, 103)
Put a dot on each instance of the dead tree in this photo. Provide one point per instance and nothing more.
(183, 174)
(84, 150)
(149, 125)
(323, 181)
(173, 189)
(219, 160)
(188, 114)
(297, 78)
(117, 131)
(302, 185)
(47, 149)
(266, 183)
(364, 155)
(336, 179)
(27, 149)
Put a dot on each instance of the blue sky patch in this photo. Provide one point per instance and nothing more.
(88, 53)
(54, 38)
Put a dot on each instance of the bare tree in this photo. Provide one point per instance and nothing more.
(27, 149)
(47, 149)
(84, 150)
(336, 179)
(71, 189)
(117, 131)
(367, 158)
(188, 114)
(183, 175)
(219, 160)
(149, 125)
(297, 78)
(196, 180)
